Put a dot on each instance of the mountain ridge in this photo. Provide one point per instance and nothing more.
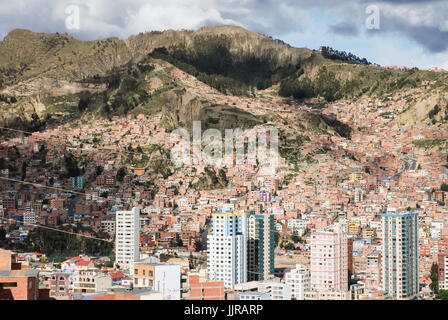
(45, 73)
(24, 50)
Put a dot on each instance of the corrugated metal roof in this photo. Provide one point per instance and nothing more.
(19, 273)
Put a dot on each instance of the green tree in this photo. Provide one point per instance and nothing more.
(3, 163)
(295, 238)
(434, 278)
(120, 174)
(109, 264)
(71, 165)
(84, 100)
(52, 242)
(198, 245)
(276, 238)
(191, 261)
(179, 242)
(24, 166)
(35, 122)
(98, 170)
(333, 54)
(289, 246)
(165, 257)
(442, 295)
(2, 234)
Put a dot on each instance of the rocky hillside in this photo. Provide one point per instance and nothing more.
(54, 77)
(424, 94)
(26, 54)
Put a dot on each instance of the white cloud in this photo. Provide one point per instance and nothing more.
(419, 14)
(164, 16)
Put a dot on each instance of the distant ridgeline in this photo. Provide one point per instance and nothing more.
(113, 77)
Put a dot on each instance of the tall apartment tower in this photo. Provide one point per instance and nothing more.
(260, 246)
(359, 195)
(400, 254)
(329, 259)
(127, 238)
(227, 248)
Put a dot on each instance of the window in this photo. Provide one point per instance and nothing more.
(8, 284)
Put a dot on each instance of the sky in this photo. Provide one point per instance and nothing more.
(412, 33)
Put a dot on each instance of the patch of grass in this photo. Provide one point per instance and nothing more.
(429, 143)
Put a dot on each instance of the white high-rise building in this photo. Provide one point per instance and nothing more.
(300, 281)
(127, 238)
(329, 259)
(359, 195)
(227, 248)
(29, 218)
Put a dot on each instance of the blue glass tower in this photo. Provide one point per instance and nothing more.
(400, 255)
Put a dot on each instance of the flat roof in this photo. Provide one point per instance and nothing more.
(19, 273)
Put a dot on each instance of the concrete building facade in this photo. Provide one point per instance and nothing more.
(127, 238)
(227, 248)
(329, 261)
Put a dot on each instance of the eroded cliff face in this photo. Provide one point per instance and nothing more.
(181, 109)
(432, 107)
(40, 96)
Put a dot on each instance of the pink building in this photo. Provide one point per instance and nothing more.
(329, 260)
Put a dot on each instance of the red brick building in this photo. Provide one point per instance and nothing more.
(17, 283)
(205, 289)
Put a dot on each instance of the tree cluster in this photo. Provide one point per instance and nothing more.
(333, 54)
(300, 86)
(54, 243)
(209, 59)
